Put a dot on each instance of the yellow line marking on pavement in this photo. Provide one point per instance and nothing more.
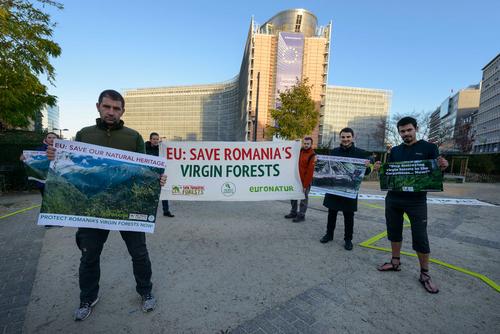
(20, 211)
(372, 205)
(369, 244)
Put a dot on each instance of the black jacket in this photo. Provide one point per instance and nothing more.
(339, 203)
(152, 150)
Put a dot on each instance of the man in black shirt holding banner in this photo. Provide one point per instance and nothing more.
(414, 204)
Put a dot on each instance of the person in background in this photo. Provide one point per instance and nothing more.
(153, 148)
(307, 160)
(47, 141)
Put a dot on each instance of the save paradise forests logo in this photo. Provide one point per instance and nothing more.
(189, 190)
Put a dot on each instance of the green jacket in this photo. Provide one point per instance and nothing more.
(118, 136)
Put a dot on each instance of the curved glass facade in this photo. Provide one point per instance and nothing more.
(202, 112)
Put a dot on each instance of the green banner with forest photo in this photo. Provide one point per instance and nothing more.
(411, 176)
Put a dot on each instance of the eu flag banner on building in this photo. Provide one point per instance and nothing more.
(411, 176)
(37, 165)
(231, 171)
(340, 176)
(100, 187)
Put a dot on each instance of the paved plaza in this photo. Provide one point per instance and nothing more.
(240, 267)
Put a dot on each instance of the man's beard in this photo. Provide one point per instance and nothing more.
(408, 139)
(110, 120)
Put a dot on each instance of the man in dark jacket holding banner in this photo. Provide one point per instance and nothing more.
(336, 203)
(110, 131)
(414, 204)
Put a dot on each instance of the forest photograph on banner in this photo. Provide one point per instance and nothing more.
(340, 176)
(411, 176)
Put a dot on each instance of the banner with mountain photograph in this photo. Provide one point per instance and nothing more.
(100, 187)
(340, 176)
(411, 176)
(37, 165)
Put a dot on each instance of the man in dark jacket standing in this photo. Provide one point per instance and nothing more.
(109, 131)
(414, 204)
(153, 148)
(336, 203)
(307, 160)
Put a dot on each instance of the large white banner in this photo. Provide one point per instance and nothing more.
(231, 171)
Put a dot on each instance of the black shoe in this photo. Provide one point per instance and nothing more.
(299, 219)
(348, 245)
(291, 215)
(168, 214)
(326, 238)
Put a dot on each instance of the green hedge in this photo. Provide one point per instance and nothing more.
(488, 164)
(12, 144)
(485, 164)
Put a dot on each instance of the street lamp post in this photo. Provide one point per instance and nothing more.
(60, 132)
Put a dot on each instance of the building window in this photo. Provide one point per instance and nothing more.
(297, 23)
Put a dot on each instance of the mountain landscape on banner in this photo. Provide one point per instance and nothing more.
(99, 187)
(37, 167)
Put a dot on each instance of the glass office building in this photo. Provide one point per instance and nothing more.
(50, 118)
(203, 112)
(487, 127)
(361, 109)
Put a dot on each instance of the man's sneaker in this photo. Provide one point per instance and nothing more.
(148, 302)
(299, 219)
(291, 215)
(348, 245)
(326, 238)
(168, 214)
(83, 312)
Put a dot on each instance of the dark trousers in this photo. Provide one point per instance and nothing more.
(416, 209)
(348, 223)
(164, 204)
(90, 241)
(303, 204)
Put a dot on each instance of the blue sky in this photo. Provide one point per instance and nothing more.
(420, 50)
